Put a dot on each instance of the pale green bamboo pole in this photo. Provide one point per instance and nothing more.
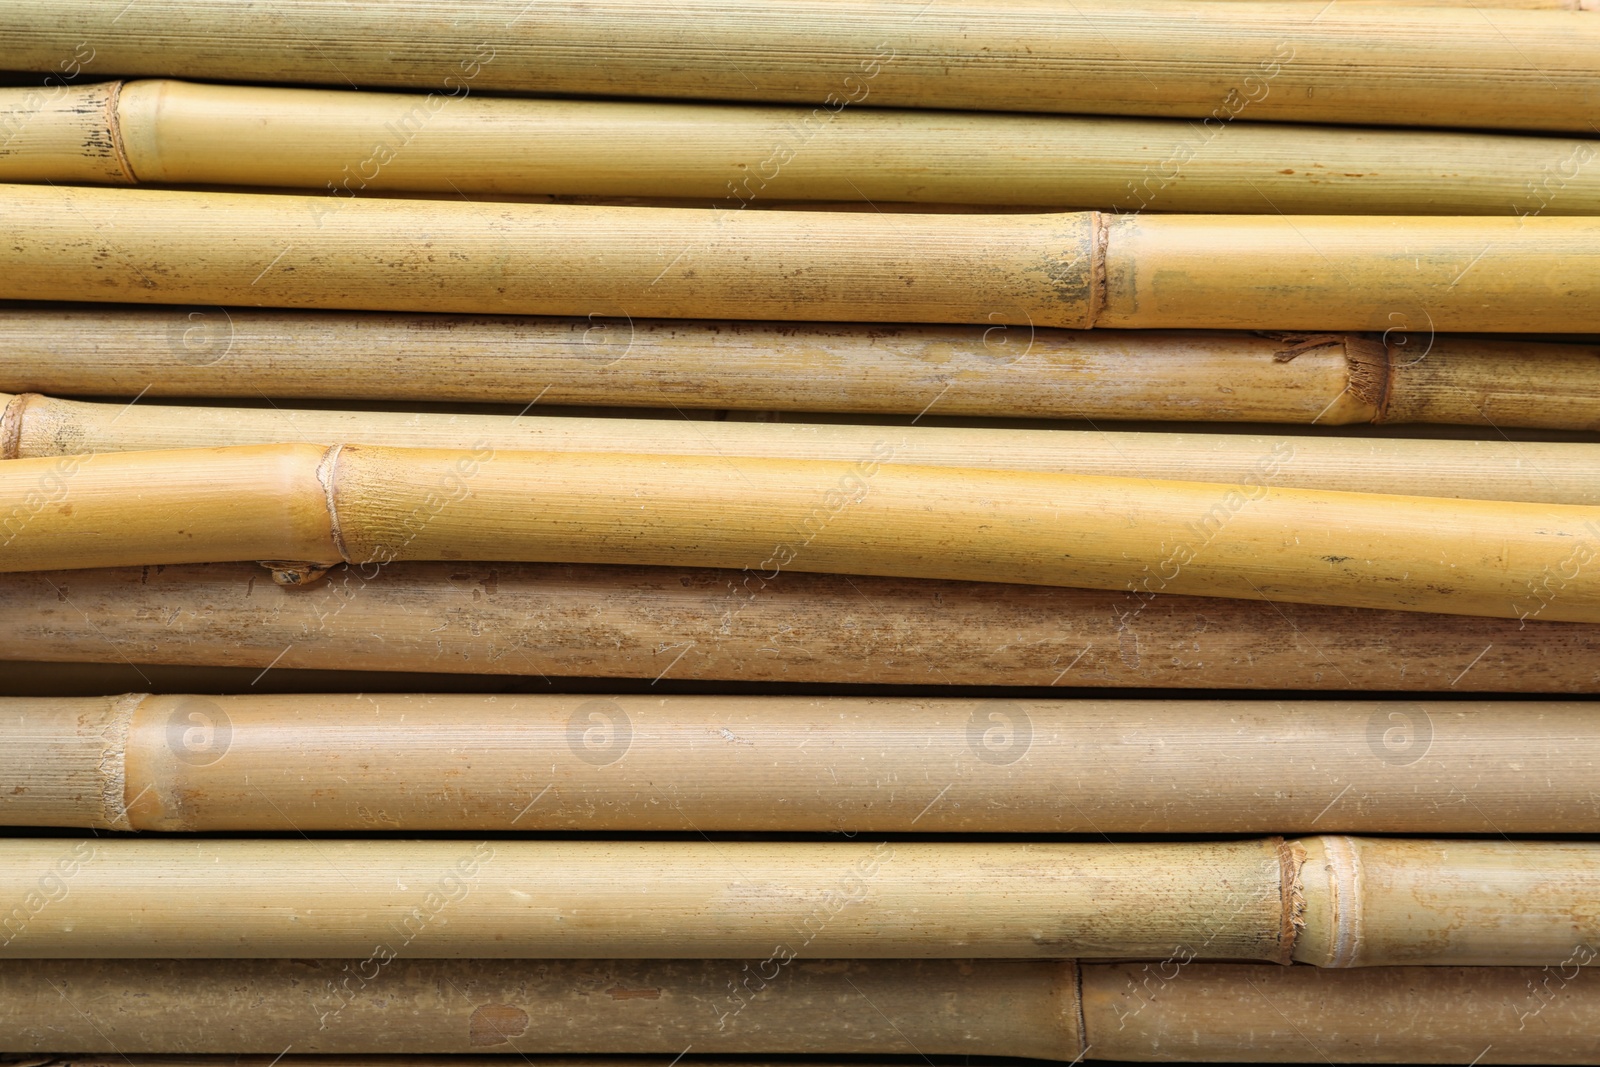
(1213, 62)
(33, 426)
(343, 143)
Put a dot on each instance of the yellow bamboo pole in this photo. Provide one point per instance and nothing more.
(346, 143)
(303, 508)
(1141, 1012)
(1079, 270)
(1323, 378)
(471, 622)
(1332, 901)
(375, 763)
(668, 900)
(1209, 61)
(33, 426)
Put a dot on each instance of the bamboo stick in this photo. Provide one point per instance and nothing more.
(1308, 62)
(693, 764)
(1204, 1012)
(346, 143)
(1332, 901)
(1327, 379)
(549, 621)
(33, 426)
(1082, 269)
(303, 508)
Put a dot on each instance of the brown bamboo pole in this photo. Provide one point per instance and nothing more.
(302, 508)
(1211, 61)
(376, 763)
(1204, 1012)
(1327, 379)
(669, 900)
(1332, 901)
(1130, 1011)
(346, 143)
(1079, 270)
(552, 621)
(33, 426)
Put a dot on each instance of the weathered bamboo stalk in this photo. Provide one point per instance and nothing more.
(1333, 901)
(1321, 378)
(699, 764)
(303, 508)
(1308, 62)
(33, 426)
(1078, 270)
(657, 623)
(345, 143)
(1174, 1010)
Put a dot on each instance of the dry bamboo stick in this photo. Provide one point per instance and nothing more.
(1327, 379)
(346, 143)
(1309, 62)
(676, 624)
(700, 764)
(33, 426)
(303, 508)
(1174, 1010)
(1079, 270)
(1332, 901)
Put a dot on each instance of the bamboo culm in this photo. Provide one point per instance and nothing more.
(33, 426)
(998, 370)
(1330, 900)
(1141, 1012)
(303, 508)
(674, 624)
(154, 131)
(1214, 62)
(1077, 269)
(381, 763)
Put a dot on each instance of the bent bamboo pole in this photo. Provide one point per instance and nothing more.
(1309, 62)
(1332, 901)
(1322, 378)
(672, 624)
(303, 508)
(1079, 270)
(33, 426)
(1142, 1012)
(345, 143)
(376, 763)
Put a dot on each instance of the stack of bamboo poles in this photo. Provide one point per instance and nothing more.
(455, 536)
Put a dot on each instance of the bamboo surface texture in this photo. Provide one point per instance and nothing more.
(675, 624)
(1330, 900)
(303, 508)
(154, 131)
(1307, 62)
(33, 426)
(1406, 375)
(1076, 269)
(1142, 1012)
(368, 763)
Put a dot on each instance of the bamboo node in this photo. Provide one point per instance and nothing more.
(294, 573)
(1344, 890)
(114, 132)
(113, 766)
(328, 475)
(1292, 858)
(1099, 241)
(11, 424)
(1370, 366)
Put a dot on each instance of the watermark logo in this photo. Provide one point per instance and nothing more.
(201, 336)
(198, 732)
(1000, 732)
(1400, 734)
(599, 732)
